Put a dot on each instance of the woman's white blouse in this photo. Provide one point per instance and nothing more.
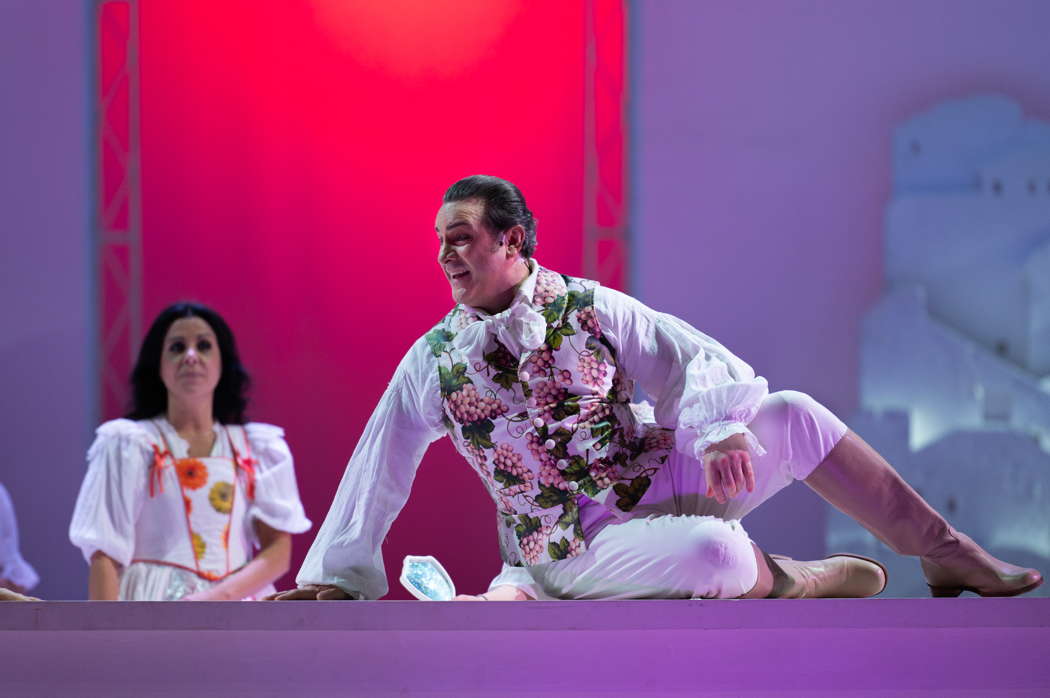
(117, 484)
(700, 389)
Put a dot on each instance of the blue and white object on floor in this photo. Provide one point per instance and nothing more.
(426, 579)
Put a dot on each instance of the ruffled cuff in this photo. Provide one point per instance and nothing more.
(720, 431)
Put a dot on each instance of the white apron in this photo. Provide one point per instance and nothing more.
(211, 496)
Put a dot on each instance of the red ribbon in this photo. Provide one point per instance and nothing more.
(247, 464)
(157, 471)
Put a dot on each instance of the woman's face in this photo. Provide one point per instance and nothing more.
(190, 362)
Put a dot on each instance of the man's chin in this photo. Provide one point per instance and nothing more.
(460, 295)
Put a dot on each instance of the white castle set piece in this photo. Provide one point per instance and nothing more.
(955, 357)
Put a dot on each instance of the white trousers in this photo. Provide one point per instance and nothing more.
(680, 543)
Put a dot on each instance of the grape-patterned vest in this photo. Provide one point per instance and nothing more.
(545, 426)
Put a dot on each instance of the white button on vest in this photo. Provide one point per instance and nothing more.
(537, 422)
(549, 444)
(574, 486)
(562, 463)
(524, 376)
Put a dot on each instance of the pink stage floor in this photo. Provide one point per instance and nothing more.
(876, 647)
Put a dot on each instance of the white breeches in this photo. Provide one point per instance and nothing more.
(680, 543)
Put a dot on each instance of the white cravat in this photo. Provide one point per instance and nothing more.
(519, 328)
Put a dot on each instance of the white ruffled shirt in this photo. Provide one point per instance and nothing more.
(698, 387)
(117, 484)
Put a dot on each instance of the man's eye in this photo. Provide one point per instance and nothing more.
(203, 345)
(177, 347)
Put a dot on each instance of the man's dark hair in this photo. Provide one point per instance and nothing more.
(504, 206)
(149, 396)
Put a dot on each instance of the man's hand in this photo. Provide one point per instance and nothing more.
(311, 592)
(504, 592)
(727, 469)
(8, 595)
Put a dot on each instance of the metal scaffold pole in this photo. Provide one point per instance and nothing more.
(118, 213)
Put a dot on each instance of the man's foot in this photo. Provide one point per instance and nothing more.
(841, 576)
(962, 565)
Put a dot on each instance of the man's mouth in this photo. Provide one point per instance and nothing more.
(458, 276)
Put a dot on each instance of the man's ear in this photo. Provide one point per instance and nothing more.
(515, 240)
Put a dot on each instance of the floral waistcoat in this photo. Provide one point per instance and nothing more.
(545, 426)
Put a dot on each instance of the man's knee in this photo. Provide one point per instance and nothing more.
(810, 430)
(724, 558)
(797, 406)
(717, 543)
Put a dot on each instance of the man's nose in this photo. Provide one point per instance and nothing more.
(445, 251)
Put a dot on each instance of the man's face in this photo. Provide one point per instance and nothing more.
(478, 267)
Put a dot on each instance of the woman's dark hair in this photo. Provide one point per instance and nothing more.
(149, 396)
(504, 206)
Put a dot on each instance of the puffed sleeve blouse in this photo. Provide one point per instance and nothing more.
(117, 483)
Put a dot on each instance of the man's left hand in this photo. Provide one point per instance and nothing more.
(727, 469)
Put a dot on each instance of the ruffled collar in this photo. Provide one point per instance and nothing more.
(520, 328)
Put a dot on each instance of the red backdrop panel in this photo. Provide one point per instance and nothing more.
(294, 155)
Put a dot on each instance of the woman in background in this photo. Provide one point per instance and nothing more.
(179, 493)
(16, 575)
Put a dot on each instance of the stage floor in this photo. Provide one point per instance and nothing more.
(828, 647)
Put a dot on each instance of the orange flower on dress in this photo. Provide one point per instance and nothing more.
(226, 536)
(188, 503)
(198, 546)
(192, 473)
(221, 497)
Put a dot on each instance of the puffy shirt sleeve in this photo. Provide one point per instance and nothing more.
(377, 480)
(276, 501)
(700, 389)
(12, 566)
(113, 491)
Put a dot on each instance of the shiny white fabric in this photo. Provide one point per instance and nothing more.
(146, 581)
(521, 328)
(12, 566)
(112, 499)
(700, 390)
(654, 557)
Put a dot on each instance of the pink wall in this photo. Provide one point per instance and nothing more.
(294, 157)
(761, 165)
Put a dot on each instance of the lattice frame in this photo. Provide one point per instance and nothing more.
(118, 211)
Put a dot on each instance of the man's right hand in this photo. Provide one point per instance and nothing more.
(311, 592)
